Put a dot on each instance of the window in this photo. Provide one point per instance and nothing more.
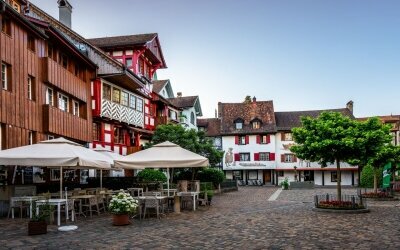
(244, 156)
(106, 92)
(116, 95)
(141, 66)
(30, 138)
(96, 131)
(281, 173)
(334, 176)
(242, 140)
(4, 76)
(31, 43)
(264, 139)
(139, 105)
(6, 25)
(288, 158)
(238, 123)
(76, 108)
(51, 52)
(287, 137)
(264, 156)
(132, 101)
(256, 124)
(64, 60)
(118, 135)
(77, 70)
(192, 118)
(172, 115)
(124, 98)
(63, 102)
(128, 62)
(31, 88)
(49, 97)
(50, 137)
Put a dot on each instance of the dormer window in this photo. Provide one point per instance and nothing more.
(238, 123)
(256, 123)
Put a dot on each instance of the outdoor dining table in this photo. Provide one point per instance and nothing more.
(29, 199)
(80, 198)
(54, 202)
(195, 196)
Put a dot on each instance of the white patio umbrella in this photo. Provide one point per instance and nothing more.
(164, 155)
(113, 156)
(55, 153)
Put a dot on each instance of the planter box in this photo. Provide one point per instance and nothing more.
(301, 184)
(37, 227)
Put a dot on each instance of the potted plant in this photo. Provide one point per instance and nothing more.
(121, 206)
(38, 223)
(285, 184)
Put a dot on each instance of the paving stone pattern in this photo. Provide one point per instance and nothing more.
(236, 220)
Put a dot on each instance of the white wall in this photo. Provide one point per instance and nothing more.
(187, 112)
(252, 147)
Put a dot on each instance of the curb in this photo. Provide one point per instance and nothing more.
(341, 211)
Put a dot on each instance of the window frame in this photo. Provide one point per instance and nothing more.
(333, 176)
(50, 101)
(109, 96)
(75, 110)
(262, 141)
(256, 123)
(244, 154)
(132, 101)
(141, 102)
(114, 90)
(241, 140)
(96, 133)
(60, 98)
(192, 118)
(262, 154)
(289, 158)
(119, 139)
(122, 102)
(131, 62)
(31, 88)
(4, 76)
(288, 136)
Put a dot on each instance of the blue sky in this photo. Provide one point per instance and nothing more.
(302, 54)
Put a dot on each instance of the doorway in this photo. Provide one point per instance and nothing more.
(267, 176)
(308, 175)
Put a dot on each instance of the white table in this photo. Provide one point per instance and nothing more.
(54, 202)
(195, 196)
(29, 199)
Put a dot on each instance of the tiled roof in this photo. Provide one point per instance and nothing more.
(262, 110)
(129, 40)
(212, 126)
(393, 119)
(292, 119)
(184, 101)
(158, 85)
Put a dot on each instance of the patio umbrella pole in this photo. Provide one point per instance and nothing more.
(168, 180)
(61, 180)
(101, 179)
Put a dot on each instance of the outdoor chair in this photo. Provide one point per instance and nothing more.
(151, 203)
(21, 207)
(101, 202)
(89, 207)
(186, 200)
(71, 210)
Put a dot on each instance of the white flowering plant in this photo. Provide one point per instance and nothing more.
(123, 203)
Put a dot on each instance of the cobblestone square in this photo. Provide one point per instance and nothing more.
(236, 220)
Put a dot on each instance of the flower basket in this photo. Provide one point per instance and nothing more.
(121, 206)
(121, 219)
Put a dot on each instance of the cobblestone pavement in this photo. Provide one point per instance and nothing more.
(236, 220)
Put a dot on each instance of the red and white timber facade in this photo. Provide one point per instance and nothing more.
(256, 141)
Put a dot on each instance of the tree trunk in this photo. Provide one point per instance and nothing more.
(375, 181)
(171, 178)
(339, 181)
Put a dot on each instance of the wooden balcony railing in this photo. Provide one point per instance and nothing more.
(133, 149)
(65, 80)
(62, 123)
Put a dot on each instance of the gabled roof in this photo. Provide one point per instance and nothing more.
(212, 126)
(187, 102)
(230, 112)
(291, 119)
(158, 85)
(122, 41)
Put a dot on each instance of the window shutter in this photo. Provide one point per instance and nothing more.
(294, 158)
(282, 158)
(236, 140)
(256, 156)
(237, 157)
(247, 139)
(268, 138)
(272, 156)
(282, 136)
(258, 137)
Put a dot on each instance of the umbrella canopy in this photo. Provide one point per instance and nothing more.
(108, 153)
(163, 155)
(55, 153)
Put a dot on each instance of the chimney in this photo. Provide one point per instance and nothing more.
(254, 99)
(179, 94)
(349, 106)
(65, 12)
(216, 113)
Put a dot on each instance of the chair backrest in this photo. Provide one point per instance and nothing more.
(151, 202)
(71, 203)
(93, 200)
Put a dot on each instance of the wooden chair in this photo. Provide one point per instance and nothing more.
(89, 207)
(101, 202)
(20, 205)
(71, 210)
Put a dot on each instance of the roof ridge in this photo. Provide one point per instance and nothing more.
(310, 110)
(153, 33)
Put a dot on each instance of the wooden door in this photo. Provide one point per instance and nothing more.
(267, 176)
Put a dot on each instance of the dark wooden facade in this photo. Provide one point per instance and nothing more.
(37, 52)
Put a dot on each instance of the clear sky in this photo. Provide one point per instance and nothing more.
(302, 54)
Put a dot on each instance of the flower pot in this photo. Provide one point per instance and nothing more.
(37, 227)
(120, 219)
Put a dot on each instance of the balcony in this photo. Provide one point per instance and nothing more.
(121, 113)
(60, 77)
(131, 150)
(58, 122)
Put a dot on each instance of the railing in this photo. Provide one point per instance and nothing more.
(346, 201)
(56, 121)
(65, 80)
(161, 120)
(121, 113)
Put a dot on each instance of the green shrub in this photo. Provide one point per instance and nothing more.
(213, 175)
(152, 175)
(367, 177)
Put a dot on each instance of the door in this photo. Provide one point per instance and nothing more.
(267, 176)
(308, 175)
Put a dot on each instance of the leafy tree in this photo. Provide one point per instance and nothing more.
(152, 175)
(367, 176)
(386, 154)
(327, 139)
(191, 140)
(213, 175)
(247, 99)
